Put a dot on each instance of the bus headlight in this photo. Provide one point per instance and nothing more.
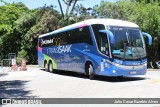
(114, 71)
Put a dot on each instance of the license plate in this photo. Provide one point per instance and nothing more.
(133, 72)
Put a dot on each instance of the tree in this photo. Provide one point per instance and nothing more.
(81, 13)
(20, 28)
(110, 10)
(146, 1)
(9, 38)
(68, 3)
(33, 24)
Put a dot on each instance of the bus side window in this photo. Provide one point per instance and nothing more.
(96, 28)
(103, 43)
(85, 35)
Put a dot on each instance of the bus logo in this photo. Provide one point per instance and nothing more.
(61, 49)
(47, 41)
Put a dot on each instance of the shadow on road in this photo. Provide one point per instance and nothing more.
(70, 73)
(119, 79)
(99, 78)
(3, 74)
(14, 89)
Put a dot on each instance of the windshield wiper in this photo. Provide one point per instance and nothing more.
(124, 50)
(137, 51)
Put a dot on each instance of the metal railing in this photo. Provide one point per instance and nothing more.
(1, 64)
(6, 62)
(5, 65)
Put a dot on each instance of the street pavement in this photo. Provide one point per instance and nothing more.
(37, 83)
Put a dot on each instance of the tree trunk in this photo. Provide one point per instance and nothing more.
(61, 8)
(67, 10)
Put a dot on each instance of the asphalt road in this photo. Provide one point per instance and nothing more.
(41, 84)
(36, 83)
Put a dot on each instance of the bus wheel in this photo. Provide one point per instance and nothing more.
(46, 67)
(91, 72)
(50, 67)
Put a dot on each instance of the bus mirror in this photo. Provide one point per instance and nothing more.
(149, 37)
(109, 34)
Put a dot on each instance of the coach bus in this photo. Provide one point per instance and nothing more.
(107, 47)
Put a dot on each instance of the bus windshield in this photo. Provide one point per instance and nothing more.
(129, 43)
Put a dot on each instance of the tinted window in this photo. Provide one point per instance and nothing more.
(78, 35)
(96, 28)
(46, 41)
(52, 40)
(103, 43)
(85, 36)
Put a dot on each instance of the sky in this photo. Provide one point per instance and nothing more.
(31, 4)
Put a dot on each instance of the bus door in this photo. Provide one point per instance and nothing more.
(103, 44)
(104, 49)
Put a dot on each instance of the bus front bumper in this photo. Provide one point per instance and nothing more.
(122, 70)
(128, 70)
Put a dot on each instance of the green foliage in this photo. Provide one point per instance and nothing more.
(48, 21)
(81, 13)
(22, 54)
(10, 38)
(20, 26)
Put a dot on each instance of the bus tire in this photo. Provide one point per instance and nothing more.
(91, 72)
(50, 67)
(46, 67)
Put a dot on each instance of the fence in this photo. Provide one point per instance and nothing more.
(5, 65)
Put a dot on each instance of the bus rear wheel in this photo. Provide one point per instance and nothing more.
(91, 72)
(50, 67)
(46, 66)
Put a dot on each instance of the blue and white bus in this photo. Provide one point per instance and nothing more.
(105, 47)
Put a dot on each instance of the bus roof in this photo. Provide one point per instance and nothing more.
(106, 22)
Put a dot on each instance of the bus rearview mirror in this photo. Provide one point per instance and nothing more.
(149, 37)
(109, 34)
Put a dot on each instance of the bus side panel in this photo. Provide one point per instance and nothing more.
(40, 57)
(49, 56)
(90, 55)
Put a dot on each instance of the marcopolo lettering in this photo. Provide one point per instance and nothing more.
(47, 41)
(61, 49)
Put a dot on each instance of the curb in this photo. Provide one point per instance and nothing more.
(153, 69)
(34, 66)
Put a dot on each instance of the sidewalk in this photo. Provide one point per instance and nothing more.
(153, 69)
